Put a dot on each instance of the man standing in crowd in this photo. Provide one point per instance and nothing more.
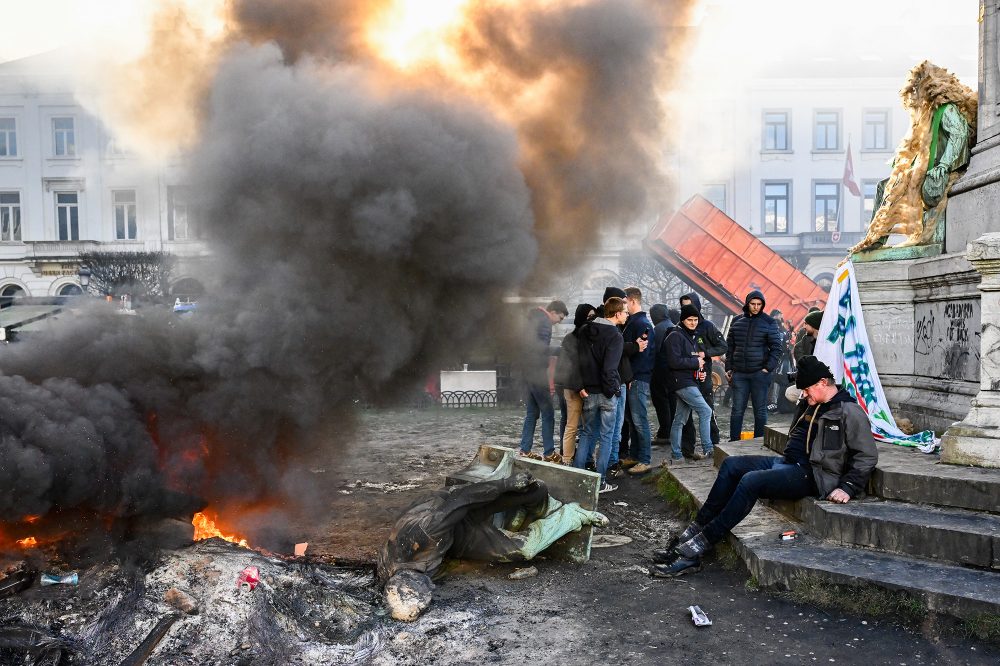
(600, 355)
(659, 384)
(806, 343)
(687, 371)
(829, 455)
(625, 373)
(568, 379)
(640, 329)
(538, 385)
(754, 352)
(711, 342)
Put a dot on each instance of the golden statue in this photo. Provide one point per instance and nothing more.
(929, 159)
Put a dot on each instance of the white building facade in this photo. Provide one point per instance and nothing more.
(67, 188)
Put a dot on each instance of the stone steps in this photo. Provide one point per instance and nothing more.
(955, 536)
(944, 587)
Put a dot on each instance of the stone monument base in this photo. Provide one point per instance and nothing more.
(923, 322)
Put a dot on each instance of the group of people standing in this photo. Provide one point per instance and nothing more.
(618, 359)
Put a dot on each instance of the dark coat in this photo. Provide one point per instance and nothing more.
(536, 353)
(754, 343)
(708, 335)
(568, 364)
(841, 447)
(641, 361)
(660, 333)
(600, 356)
(682, 358)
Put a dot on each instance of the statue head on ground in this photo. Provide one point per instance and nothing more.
(408, 593)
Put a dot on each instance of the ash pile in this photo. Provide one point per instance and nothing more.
(213, 602)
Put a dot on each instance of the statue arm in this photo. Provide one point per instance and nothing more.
(956, 129)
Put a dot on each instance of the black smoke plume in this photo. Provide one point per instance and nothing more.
(359, 231)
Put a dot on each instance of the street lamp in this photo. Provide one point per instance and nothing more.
(84, 275)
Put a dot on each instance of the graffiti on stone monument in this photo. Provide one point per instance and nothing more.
(946, 339)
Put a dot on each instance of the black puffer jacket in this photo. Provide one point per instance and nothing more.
(754, 343)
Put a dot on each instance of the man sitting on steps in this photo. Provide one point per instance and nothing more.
(829, 455)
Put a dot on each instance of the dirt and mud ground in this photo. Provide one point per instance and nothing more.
(607, 610)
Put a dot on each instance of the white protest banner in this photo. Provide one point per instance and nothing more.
(842, 343)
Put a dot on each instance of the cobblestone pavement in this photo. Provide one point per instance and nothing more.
(606, 610)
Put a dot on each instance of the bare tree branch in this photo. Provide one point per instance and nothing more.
(141, 275)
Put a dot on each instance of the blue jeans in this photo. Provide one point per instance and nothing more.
(599, 418)
(690, 399)
(539, 402)
(639, 446)
(752, 385)
(619, 421)
(742, 480)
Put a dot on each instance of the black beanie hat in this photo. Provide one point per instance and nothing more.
(613, 291)
(580, 316)
(814, 319)
(689, 311)
(810, 371)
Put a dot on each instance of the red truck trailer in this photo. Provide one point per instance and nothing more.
(723, 261)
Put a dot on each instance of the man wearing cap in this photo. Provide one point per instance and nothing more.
(806, 343)
(829, 455)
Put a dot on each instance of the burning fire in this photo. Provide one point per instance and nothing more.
(409, 32)
(204, 528)
(29, 542)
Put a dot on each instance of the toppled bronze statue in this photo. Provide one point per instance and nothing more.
(505, 520)
(928, 161)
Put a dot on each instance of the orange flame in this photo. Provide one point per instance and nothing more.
(29, 542)
(204, 528)
(31, 519)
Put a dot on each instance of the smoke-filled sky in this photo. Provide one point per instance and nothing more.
(367, 205)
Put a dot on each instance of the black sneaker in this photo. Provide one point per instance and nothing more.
(591, 467)
(679, 567)
(615, 471)
(607, 488)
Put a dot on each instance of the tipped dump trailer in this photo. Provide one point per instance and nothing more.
(723, 261)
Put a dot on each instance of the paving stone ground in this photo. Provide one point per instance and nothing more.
(606, 610)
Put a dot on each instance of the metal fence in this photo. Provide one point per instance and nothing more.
(468, 398)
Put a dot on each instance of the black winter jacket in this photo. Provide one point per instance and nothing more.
(682, 357)
(755, 343)
(707, 334)
(600, 356)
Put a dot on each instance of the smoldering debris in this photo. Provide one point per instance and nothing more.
(301, 612)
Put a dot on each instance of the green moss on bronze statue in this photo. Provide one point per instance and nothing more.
(928, 161)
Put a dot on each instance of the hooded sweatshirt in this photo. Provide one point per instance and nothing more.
(568, 364)
(754, 342)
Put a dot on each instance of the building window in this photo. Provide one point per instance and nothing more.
(716, 195)
(868, 191)
(124, 206)
(10, 216)
(826, 134)
(826, 206)
(68, 215)
(8, 137)
(178, 215)
(776, 130)
(876, 130)
(63, 137)
(776, 207)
